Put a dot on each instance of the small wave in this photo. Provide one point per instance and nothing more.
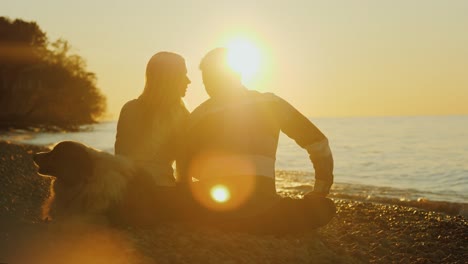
(450, 208)
(291, 183)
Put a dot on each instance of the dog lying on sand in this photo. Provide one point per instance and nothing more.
(95, 184)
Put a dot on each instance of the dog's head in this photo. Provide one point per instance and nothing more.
(70, 162)
(87, 181)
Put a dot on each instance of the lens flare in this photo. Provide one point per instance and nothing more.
(220, 193)
(220, 188)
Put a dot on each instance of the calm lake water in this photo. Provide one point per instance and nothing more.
(399, 157)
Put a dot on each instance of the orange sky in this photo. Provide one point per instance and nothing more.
(328, 58)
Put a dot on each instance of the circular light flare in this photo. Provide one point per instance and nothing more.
(243, 57)
(208, 166)
(220, 193)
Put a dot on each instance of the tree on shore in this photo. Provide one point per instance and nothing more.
(41, 83)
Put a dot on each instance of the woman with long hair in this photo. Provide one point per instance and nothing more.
(150, 127)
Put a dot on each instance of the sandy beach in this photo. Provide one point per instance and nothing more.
(362, 232)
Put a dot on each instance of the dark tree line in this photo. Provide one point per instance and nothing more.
(41, 83)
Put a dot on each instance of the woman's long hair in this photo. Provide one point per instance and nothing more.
(161, 100)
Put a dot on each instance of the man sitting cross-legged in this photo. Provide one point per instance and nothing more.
(230, 149)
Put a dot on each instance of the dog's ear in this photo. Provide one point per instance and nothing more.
(74, 162)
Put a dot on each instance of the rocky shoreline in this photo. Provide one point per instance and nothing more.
(362, 232)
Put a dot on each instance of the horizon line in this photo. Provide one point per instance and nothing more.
(344, 116)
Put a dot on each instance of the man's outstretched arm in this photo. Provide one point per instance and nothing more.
(308, 136)
(321, 156)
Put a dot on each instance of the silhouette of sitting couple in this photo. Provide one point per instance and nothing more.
(224, 150)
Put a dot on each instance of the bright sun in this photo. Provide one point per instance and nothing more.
(244, 58)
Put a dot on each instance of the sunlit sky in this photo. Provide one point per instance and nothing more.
(327, 58)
